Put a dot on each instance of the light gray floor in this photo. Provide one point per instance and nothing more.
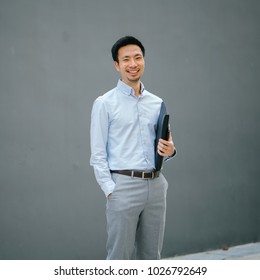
(243, 252)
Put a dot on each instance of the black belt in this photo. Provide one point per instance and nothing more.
(139, 174)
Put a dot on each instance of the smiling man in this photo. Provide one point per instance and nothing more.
(123, 131)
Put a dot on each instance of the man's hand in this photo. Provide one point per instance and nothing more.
(166, 148)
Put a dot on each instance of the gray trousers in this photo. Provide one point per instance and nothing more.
(136, 218)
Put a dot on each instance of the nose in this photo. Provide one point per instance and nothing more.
(132, 63)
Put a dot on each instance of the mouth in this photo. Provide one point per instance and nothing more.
(133, 72)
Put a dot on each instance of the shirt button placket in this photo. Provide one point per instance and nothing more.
(142, 130)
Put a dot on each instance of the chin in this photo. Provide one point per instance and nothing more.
(134, 80)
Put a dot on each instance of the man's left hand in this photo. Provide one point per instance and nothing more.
(166, 148)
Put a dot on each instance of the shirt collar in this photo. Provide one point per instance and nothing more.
(126, 89)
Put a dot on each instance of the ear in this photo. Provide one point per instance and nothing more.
(116, 65)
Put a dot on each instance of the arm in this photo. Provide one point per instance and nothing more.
(98, 141)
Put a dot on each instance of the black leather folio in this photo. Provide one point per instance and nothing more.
(162, 132)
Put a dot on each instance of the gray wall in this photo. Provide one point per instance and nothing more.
(202, 58)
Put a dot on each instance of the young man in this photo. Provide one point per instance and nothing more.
(123, 130)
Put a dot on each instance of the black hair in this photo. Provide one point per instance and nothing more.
(124, 41)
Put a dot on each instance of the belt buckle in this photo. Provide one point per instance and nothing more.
(143, 175)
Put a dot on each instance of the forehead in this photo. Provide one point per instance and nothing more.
(129, 50)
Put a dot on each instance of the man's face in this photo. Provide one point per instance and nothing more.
(130, 64)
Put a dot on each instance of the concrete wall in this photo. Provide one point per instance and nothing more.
(202, 58)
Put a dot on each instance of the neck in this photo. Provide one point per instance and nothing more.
(137, 89)
(136, 85)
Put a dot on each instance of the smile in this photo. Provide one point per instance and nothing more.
(133, 71)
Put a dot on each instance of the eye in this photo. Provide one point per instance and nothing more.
(139, 58)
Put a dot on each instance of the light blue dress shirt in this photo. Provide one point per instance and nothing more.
(123, 131)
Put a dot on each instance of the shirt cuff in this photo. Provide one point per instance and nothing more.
(108, 187)
(170, 157)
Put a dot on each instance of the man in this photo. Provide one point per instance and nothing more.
(123, 130)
